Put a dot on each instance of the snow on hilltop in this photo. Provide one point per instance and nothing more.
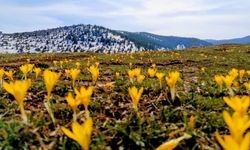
(79, 38)
(91, 38)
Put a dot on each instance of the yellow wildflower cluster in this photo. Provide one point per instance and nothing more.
(26, 69)
(94, 70)
(9, 74)
(230, 80)
(238, 124)
(135, 74)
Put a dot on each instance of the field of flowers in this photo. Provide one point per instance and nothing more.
(192, 99)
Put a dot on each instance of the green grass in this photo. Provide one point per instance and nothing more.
(115, 123)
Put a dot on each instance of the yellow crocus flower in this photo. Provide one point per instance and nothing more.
(130, 65)
(248, 72)
(191, 123)
(37, 72)
(170, 145)
(236, 84)
(61, 64)
(67, 72)
(117, 75)
(9, 74)
(172, 79)
(238, 104)
(94, 72)
(219, 80)
(135, 95)
(81, 133)
(229, 143)
(137, 72)
(203, 69)
(160, 76)
(74, 73)
(228, 80)
(153, 65)
(30, 66)
(131, 75)
(234, 73)
(55, 62)
(50, 79)
(247, 85)
(241, 74)
(78, 65)
(73, 103)
(84, 95)
(97, 64)
(140, 78)
(18, 89)
(237, 124)
(151, 72)
(24, 69)
(134, 73)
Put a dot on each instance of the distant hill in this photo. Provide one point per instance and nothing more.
(91, 38)
(153, 41)
(244, 40)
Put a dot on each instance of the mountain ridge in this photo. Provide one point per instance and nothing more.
(94, 38)
(242, 40)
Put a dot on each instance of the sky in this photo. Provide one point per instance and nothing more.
(205, 19)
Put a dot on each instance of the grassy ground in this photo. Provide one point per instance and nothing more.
(116, 125)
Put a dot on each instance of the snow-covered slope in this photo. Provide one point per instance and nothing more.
(90, 38)
(80, 38)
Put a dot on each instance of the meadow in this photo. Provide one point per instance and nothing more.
(181, 104)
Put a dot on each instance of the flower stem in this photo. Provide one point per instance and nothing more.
(86, 112)
(73, 84)
(1, 83)
(48, 107)
(74, 116)
(172, 92)
(23, 114)
(220, 88)
(139, 122)
(231, 92)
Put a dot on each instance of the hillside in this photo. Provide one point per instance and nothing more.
(153, 41)
(91, 38)
(196, 110)
(243, 40)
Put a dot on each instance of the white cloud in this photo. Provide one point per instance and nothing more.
(196, 18)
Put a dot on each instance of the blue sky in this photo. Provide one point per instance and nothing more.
(217, 19)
